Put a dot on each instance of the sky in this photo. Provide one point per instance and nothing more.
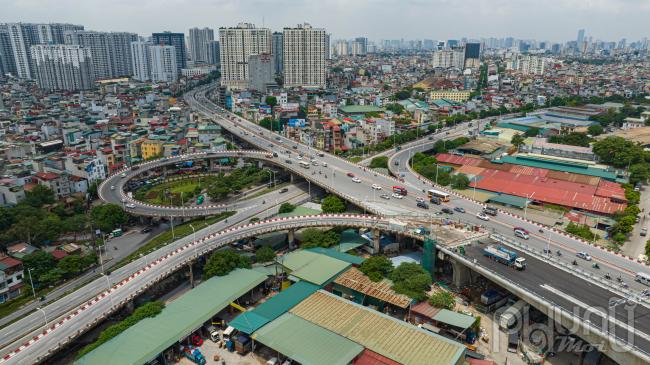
(553, 20)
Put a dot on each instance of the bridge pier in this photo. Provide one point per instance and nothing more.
(461, 274)
(376, 236)
(291, 178)
(291, 238)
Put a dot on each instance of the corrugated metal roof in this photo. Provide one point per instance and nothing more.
(313, 267)
(306, 342)
(454, 319)
(355, 260)
(368, 357)
(387, 336)
(382, 290)
(274, 307)
(151, 336)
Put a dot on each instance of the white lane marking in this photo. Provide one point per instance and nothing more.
(594, 310)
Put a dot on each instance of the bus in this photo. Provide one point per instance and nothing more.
(399, 190)
(432, 193)
(642, 278)
(304, 164)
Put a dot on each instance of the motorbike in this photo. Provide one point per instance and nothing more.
(608, 277)
(595, 265)
(263, 201)
(624, 285)
(574, 263)
(541, 230)
(619, 279)
(558, 253)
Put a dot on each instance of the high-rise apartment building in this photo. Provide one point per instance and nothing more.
(199, 44)
(277, 52)
(7, 64)
(163, 63)
(304, 56)
(111, 51)
(173, 39)
(236, 45)
(448, 58)
(141, 58)
(581, 37)
(213, 52)
(22, 36)
(262, 71)
(62, 67)
(472, 55)
(362, 45)
(527, 64)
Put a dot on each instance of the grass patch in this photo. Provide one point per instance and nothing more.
(165, 192)
(266, 191)
(166, 237)
(556, 208)
(355, 159)
(147, 310)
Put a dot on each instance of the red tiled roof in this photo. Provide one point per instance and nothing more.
(59, 254)
(47, 175)
(9, 262)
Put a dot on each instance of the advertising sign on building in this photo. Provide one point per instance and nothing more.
(296, 123)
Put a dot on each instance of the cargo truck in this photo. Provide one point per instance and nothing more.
(492, 300)
(505, 256)
(513, 314)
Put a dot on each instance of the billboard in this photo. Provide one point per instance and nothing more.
(296, 123)
(265, 109)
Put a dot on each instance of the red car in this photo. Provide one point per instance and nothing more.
(350, 174)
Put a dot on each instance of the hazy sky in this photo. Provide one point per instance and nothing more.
(555, 20)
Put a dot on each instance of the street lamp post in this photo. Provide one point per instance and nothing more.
(29, 271)
(44, 315)
(526, 205)
(108, 286)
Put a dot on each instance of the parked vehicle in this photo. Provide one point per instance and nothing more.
(513, 314)
(505, 256)
(117, 232)
(644, 232)
(492, 300)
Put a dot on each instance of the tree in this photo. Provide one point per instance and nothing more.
(595, 130)
(442, 299)
(286, 208)
(7, 218)
(37, 229)
(271, 100)
(459, 181)
(376, 267)
(39, 196)
(313, 237)
(411, 279)
(51, 277)
(332, 204)
(379, 162)
(395, 108)
(617, 151)
(264, 254)
(639, 173)
(71, 265)
(92, 189)
(572, 139)
(223, 262)
(39, 262)
(517, 140)
(647, 248)
(532, 132)
(107, 217)
(580, 230)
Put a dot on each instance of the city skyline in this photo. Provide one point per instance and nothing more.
(607, 20)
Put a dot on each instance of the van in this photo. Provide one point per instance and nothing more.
(228, 333)
(642, 278)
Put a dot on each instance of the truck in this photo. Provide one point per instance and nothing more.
(396, 226)
(400, 190)
(492, 300)
(490, 210)
(513, 314)
(422, 231)
(505, 256)
(193, 354)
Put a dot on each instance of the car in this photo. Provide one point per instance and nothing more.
(288, 161)
(123, 174)
(385, 196)
(277, 138)
(130, 205)
(419, 200)
(435, 200)
(146, 230)
(295, 147)
(284, 190)
(430, 138)
(321, 154)
(299, 157)
(447, 211)
(350, 174)
(459, 209)
(423, 205)
(270, 144)
(324, 164)
(397, 196)
(376, 187)
(396, 163)
(644, 232)
(314, 163)
(356, 180)
(482, 216)
(583, 255)
(112, 187)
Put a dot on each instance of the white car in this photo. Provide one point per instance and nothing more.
(112, 187)
(376, 187)
(130, 205)
(299, 157)
(324, 164)
(482, 216)
(356, 179)
(123, 174)
(385, 196)
(397, 196)
(583, 255)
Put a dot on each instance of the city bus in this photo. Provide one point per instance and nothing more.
(304, 165)
(438, 194)
(642, 278)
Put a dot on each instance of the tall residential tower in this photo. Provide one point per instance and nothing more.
(304, 50)
(236, 46)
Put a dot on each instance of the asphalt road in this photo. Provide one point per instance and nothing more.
(16, 333)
